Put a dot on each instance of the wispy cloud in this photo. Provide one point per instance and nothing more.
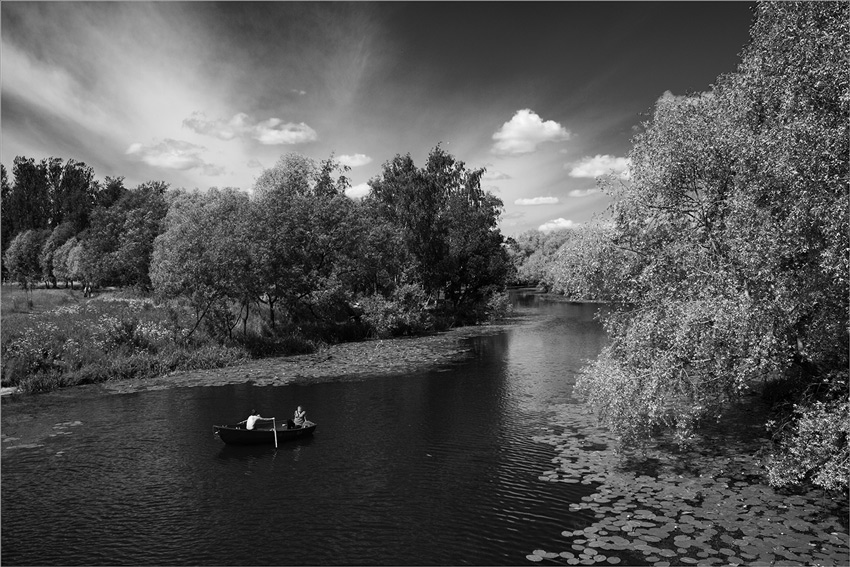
(174, 154)
(525, 131)
(495, 175)
(272, 131)
(355, 160)
(557, 224)
(537, 201)
(582, 192)
(53, 89)
(358, 191)
(598, 165)
(254, 164)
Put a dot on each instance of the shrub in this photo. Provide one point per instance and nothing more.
(403, 313)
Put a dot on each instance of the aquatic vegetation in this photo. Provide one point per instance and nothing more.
(704, 505)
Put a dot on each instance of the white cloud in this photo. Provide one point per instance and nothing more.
(495, 175)
(254, 163)
(174, 154)
(525, 131)
(272, 131)
(354, 161)
(358, 191)
(537, 201)
(582, 192)
(557, 224)
(597, 165)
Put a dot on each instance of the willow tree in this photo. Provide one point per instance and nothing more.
(736, 217)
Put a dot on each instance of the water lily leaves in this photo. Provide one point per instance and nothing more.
(706, 506)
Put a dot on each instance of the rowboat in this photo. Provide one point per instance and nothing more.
(262, 434)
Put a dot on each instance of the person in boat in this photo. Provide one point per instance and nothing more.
(253, 419)
(300, 417)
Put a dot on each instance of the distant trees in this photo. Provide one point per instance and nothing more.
(532, 252)
(23, 255)
(735, 224)
(114, 228)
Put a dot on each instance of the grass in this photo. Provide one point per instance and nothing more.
(53, 338)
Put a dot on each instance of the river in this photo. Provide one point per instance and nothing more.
(484, 461)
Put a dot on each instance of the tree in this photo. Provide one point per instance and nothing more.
(735, 223)
(71, 192)
(26, 204)
(204, 255)
(306, 239)
(119, 242)
(57, 238)
(449, 226)
(62, 264)
(22, 256)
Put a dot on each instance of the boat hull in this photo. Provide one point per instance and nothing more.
(234, 435)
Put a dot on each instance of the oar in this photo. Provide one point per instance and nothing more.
(274, 427)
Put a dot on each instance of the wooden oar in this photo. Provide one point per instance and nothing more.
(274, 428)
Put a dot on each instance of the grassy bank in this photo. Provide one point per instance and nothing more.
(53, 338)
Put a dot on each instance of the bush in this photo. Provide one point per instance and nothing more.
(403, 313)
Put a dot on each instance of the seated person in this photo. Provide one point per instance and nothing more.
(253, 419)
(300, 417)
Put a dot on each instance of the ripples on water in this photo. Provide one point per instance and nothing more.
(434, 468)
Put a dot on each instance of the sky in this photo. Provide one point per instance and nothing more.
(545, 96)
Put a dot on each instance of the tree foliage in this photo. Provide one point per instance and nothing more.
(448, 225)
(735, 222)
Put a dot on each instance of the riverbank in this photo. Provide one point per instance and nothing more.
(344, 361)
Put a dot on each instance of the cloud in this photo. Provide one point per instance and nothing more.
(537, 201)
(254, 163)
(53, 89)
(358, 191)
(174, 154)
(354, 161)
(600, 165)
(557, 224)
(525, 131)
(298, 92)
(495, 175)
(582, 192)
(272, 131)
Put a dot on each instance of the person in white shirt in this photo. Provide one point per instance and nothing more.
(253, 419)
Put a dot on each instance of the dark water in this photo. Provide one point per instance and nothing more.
(433, 468)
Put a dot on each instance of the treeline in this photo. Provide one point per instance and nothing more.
(727, 256)
(294, 263)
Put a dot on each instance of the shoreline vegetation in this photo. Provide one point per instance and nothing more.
(128, 369)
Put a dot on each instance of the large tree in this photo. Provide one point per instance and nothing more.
(204, 255)
(306, 240)
(449, 226)
(736, 220)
